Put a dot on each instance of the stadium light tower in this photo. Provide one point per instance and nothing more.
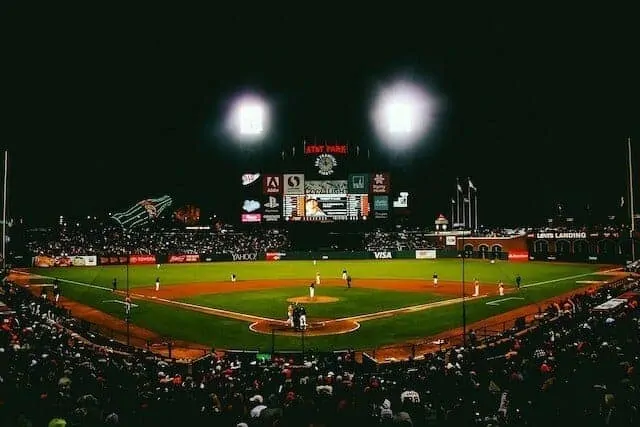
(402, 113)
(248, 118)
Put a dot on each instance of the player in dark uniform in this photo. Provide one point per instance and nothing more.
(348, 281)
(114, 285)
(518, 281)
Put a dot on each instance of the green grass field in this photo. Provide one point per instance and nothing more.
(540, 281)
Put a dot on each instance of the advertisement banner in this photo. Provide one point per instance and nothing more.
(518, 256)
(426, 254)
(142, 259)
(293, 184)
(272, 209)
(359, 183)
(451, 240)
(184, 258)
(113, 260)
(382, 255)
(275, 256)
(245, 257)
(381, 203)
(251, 217)
(381, 183)
(272, 184)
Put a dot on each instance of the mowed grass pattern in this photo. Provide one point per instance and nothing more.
(447, 269)
(273, 303)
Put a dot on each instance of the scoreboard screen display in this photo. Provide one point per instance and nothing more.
(326, 207)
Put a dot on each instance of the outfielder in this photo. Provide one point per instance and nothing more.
(476, 287)
(312, 290)
(157, 284)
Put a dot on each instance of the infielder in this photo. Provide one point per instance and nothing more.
(476, 287)
(312, 290)
(290, 316)
(344, 274)
(501, 288)
(435, 280)
(157, 284)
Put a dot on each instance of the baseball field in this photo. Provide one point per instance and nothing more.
(391, 301)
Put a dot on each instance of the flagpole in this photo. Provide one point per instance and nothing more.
(469, 195)
(457, 201)
(4, 211)
(633, 220)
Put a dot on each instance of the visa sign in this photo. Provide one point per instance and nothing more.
(382, 255)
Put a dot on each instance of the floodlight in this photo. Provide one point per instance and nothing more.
(402, 113)
(248, 118)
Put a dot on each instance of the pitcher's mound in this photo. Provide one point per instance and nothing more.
(314, 300)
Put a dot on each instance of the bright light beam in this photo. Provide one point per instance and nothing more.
(248, 118)
(402, 114)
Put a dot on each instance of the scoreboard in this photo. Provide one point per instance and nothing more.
(320, 187)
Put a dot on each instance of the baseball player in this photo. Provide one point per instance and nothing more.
(114, 285)
(344, 274)
(318, 278)
(290, 315)
(476, 287)
(233, 278)
(157, 284)
(303, 318)
(501, 288)
(56, 292)
(435, 280)
(312, 290)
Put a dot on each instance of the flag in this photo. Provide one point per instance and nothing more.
(471, 186)
(622, 201)
(142, 212)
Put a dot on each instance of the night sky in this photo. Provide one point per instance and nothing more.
(104, 108)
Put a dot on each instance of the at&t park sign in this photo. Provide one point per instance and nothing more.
(579, 235)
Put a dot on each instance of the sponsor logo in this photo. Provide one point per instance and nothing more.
(251, 205)
(382, 255)
(294, 184)
(184, 258)
(561, 235)
(426, 254)
(251, 217)
(325, 164)
(272, 184)
(142, 259)
(380, 183)
(272, 203)
(249, 178)
(244, 257)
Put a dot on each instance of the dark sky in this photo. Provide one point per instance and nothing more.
(104, 108)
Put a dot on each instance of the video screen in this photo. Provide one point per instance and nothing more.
(326, 207)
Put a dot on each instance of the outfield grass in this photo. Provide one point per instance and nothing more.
(228, 333)
(447, 269)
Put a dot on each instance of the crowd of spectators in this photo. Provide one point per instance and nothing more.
(579, 367)
(113, 241)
